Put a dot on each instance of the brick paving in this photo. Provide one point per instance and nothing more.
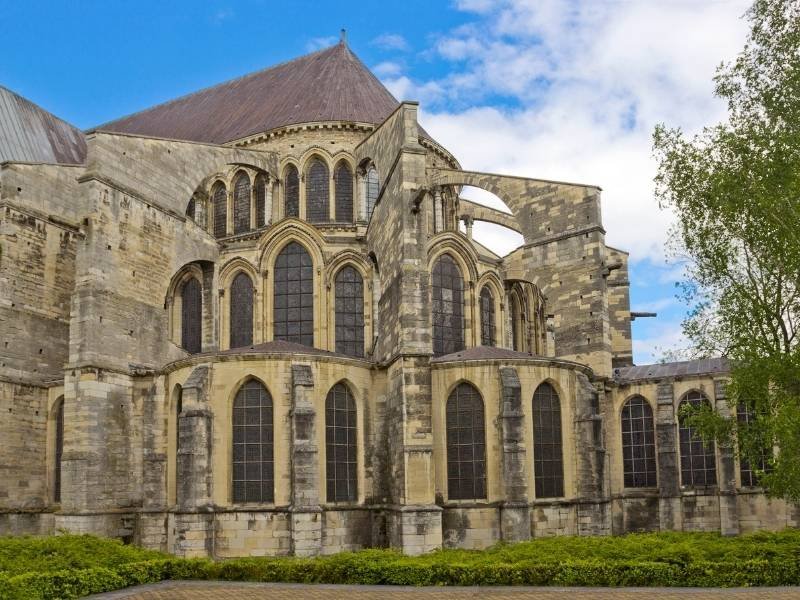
(191, 590)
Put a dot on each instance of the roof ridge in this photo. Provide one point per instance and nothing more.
(39, 106)
(216, 85)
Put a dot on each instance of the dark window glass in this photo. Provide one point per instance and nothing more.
(261, 201)
(487, 317)
(191, 209)
(548, 461)
(749, 475)
(253, 441)
(220, 202)
(241, 204)
(698, 460)
(448, 306)
(516, 322)
(638, 444)
(343, 179)
(178, 411)
(318, 193)
(59, 450)
(191, 316)
(241, 316)
(466, 444)
(293, 313)
(349, 312)
(292, 192)
(373, 189)
(341, 464)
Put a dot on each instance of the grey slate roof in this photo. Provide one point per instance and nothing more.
(703, 366)
(28, 133)
(329, 85)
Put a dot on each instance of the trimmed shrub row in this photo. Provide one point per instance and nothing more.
(397, 570)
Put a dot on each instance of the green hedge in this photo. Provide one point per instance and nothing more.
(693, 560)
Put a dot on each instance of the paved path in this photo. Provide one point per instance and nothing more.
(202, 590)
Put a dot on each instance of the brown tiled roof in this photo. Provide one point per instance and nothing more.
(482, 353)
(28, 133)
(704, 366)
(328, 85)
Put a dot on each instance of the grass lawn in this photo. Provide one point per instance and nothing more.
(71, 566)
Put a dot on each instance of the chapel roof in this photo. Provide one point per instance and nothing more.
(29, 133)
(686, 368)
(331, 84)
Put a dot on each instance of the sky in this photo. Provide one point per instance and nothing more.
(567, 90)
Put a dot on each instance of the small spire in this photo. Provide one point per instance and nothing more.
(343, 36)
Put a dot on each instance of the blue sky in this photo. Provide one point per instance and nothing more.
(557, 89)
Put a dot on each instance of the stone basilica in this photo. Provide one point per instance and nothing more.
(253, 321)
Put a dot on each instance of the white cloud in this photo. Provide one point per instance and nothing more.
(387, 69)
(664, 340)
(390, 41)
(318, 43)
(571, 91)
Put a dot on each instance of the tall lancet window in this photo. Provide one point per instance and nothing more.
(291, 193)
(343, 180)
(241, 204)
(241, 315)
(192, 316)
(487, 317)
(318, 193)
(448, 306)
(219, 200)
(293, 314)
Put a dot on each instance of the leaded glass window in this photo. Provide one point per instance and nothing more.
(341, 443)
(253, 441)
(59, 450)
(638, 444)
(349, 312)
(373, 189)
(749, 475)
(220, 201)
(291, 192)
(516, 324)
(293, 315)
(318, 193)
(487, 317)
(343, 180)
(241, 204)
(448, 306)
(261, 201)
(466, 444)
(191, 316)
(241, 311)
(698, 458)
(548, 461)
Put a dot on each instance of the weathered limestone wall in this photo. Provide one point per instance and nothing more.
(619, 308)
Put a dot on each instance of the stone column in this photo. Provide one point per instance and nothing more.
(468, 224)
(669, 486)
(728, 510)
(593, 505)
(306, 514)
(270, 185)
(438, 211)
(515, 520)
(194, 519)
(152, 530)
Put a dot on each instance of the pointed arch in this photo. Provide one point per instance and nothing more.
(372, 188)
(317, 191)
(488, 318)
(465, 425)
(291, 192)
(548, 459)
(698, 458)
(241, 203)
(343, 184)
(341, 445)
(253, 468)
(638, 443)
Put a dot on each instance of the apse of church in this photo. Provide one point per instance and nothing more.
(248, 322)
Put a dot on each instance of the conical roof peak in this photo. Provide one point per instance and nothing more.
(331, 84)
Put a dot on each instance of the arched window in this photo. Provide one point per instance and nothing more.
(241, 311)
(59, 449)
(487, 317)
(253, 440)
(191, 209)
(261, 201)
(373, 189)
(220, 201)
(291, 200)
(448, 306)
(192, 316)
(638, 444)
(343, 179)
(466, 444)
(349, 312)
(293, 315)
(750, 476)
(698, 459)
(318, 193)
(341, 464)
(241, 204)
(548, 461)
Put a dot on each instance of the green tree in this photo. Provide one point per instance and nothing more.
(735, 189)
